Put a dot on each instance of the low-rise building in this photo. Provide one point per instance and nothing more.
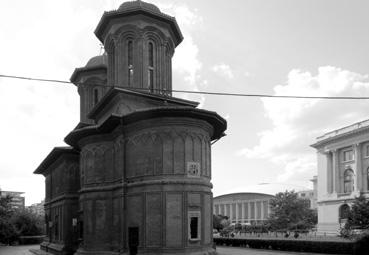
(37, 208)
(243, 208)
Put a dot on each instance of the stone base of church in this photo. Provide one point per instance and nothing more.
(84, 252)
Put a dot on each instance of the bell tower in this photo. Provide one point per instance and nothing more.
(140, 41)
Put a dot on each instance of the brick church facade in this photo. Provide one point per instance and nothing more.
(136, 176)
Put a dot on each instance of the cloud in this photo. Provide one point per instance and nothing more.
(223, 70)
(297, 122)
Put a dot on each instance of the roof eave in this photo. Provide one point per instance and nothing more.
(107, 16)
(54, 155)
(81, 70)
(116, 90)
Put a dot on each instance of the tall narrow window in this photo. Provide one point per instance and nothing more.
(193, 227)
(151, 67)
(130, 62)
(348, 181)
(96, 96)
(194, 223)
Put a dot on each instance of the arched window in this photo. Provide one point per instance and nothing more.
(151, 67)
(348, 181)
(344, 211)
(130, 62)
(96, 96)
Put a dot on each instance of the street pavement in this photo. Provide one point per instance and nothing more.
(24, 250)
(17, 250)
(247, 251)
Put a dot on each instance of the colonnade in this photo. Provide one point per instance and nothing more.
(243, 211)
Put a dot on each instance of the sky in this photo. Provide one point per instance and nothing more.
(277, 47)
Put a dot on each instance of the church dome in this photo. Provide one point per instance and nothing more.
(101, 60)
(133, 5)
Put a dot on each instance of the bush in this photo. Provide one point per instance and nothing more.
(8, 233)
(329, 247)
(362, 244)
(31, 239)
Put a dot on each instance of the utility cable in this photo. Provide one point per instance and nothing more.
(195, 92)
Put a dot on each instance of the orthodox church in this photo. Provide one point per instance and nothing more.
(136, 176)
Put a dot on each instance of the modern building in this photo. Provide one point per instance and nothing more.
(135, 178)
(343, 173)
(243, 208)
(17, 200)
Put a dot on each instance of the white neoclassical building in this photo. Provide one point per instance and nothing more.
(343, 173)
(243, 208)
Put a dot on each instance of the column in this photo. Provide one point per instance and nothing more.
(243, 212)
(335, 167)
(237, 216)
(262, 210)
(255, 211)
(358, 168)
(249, 211)
(230, 212)
(329, 172)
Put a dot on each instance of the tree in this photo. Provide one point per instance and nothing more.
(27, 223)
(219, 222)
(358, 216)
(288, 212)
(8, 233)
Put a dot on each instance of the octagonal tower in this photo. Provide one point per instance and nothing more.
(140, 41)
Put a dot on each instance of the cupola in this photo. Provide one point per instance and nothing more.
(140, 41)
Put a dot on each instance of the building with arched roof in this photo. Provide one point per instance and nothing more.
(343, 173)
(243, 208)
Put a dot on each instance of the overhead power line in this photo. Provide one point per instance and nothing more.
(197, 92)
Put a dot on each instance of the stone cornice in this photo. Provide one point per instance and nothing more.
(217, 122)
(108, 16)
(339, 137)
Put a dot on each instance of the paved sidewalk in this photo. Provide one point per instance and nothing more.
(18, 250)
(247, 251)
(24, 250)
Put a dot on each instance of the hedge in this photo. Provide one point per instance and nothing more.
(31, 239)
(317, 246)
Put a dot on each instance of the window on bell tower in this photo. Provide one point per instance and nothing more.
(151, 67)
(130, 62)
